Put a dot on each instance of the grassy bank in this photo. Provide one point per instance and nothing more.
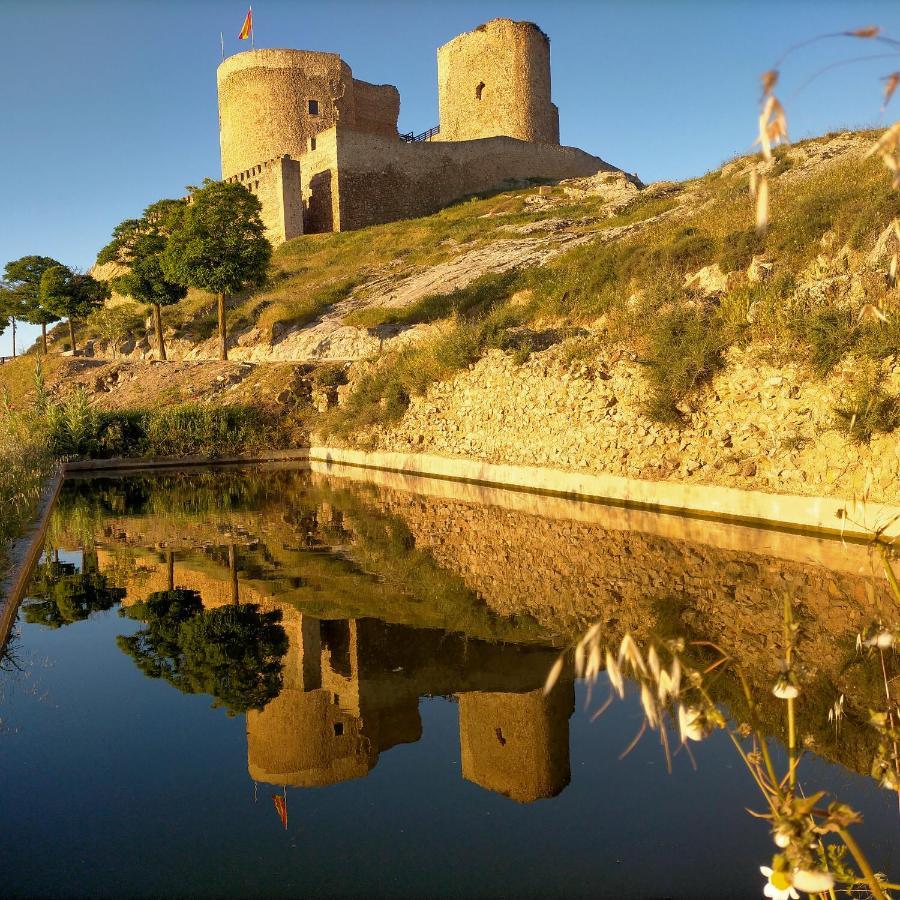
(26, 464)
(635, 294)
(37, 435)
(75, 429)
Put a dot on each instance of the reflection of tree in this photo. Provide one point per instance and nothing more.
(60, 594)
(232, 653)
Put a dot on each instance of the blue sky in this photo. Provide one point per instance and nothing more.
(108, 106)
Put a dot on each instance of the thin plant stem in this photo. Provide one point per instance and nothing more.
(863, 863)
(889, 571)
(792, 722)
(757, 727)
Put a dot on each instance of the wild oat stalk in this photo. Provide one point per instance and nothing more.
(677, 703)
(772, 124)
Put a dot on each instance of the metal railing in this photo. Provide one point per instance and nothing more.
(412, 138)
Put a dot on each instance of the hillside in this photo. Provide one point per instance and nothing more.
(594, 324)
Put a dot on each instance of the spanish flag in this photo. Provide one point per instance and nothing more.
(247, 27)
(281, 808)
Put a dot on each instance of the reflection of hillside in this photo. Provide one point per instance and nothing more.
(333, 550)
(294, 545)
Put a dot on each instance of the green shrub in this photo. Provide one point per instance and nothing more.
(869, 410)
(739, 248)
(686, 348)
(193, 429)
(26, 463)
(72, 425)
(880, 339)
(829, 334)
(689, 248)
(118, 323)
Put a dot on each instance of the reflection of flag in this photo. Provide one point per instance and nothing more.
(281, 808)
(247, 27)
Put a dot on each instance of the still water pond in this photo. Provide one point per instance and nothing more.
(233, 683)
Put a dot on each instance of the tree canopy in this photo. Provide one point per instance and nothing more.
(71, 295)
(60, 594)
(232, 653)
(23, 279)
(139, 245)
(219, 245)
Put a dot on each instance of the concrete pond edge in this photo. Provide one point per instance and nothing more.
(833, 516)
(23, 554)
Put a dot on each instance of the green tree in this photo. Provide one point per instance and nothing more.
(139, 244)
(219, 245)
(23, 276)
(60, 594)
(71, 295)
(11, 309)
(232, 653)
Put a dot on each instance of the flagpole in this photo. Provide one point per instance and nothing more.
(252, 29)
(222, 42)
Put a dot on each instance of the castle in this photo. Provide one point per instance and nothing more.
(321, 148)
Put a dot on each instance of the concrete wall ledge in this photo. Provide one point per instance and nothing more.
(830, 515)
(135, 463)
(22, 555)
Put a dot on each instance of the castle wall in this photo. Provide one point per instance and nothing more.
(319, 180)
(376, 108)
(378, 180)
(495, 81)
(264, 104)
(276, 183)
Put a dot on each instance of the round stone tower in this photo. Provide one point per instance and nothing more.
(272, 102)
(495, 81)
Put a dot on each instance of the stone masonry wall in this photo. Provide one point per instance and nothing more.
(495, 81)
(759, 425)
(381, 180)
(319, 180)
(276, 183)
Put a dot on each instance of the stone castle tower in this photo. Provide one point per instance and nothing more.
(321, 149)
(495, 81)
(273, 102)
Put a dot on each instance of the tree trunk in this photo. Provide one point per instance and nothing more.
(232, 565)
(170, 561)
(44, 336)
(223, 334)
(14, 336)
(72, 334)
(157, 318)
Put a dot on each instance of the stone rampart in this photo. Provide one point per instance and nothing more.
(379, 180)
(276, 182)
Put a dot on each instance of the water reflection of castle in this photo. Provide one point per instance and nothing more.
(351, 691)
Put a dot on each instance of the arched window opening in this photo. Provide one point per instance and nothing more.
(479, 90)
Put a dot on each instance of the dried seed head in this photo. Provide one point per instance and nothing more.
(870, 31)
(553, 677)
(871, 313)
(762, 205)
(890, 85)
(769, 80)
(649, 705)
(615, 675)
